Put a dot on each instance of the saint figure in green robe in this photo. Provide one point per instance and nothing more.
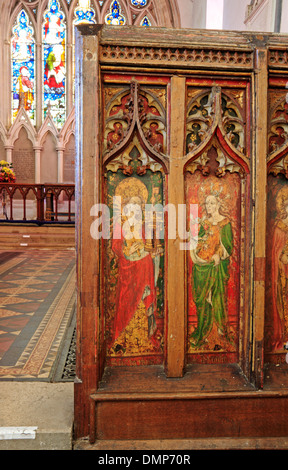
(210, 272)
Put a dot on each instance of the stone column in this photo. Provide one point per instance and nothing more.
(37, 151)
(60, 153)
(9, 150)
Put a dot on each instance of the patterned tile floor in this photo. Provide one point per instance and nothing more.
(37, 301)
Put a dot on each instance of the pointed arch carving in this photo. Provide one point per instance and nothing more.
(210, 120)
(277, 159)
(135, 111)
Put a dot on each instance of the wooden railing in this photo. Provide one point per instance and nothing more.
(47, 202)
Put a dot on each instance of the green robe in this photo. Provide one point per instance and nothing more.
(209, 289)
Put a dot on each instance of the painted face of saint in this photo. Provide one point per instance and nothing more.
(136, 202)
(211, 205)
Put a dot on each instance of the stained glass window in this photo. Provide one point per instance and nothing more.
(115, 16)
(139, 3)
(145, 22)
(23, 66)
(83, 13)
(54, 62)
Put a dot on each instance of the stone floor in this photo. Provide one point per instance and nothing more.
(37, 349)
(36, 415)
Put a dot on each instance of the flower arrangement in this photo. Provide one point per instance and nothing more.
(7, 174)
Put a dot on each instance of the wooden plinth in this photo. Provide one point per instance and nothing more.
(143, 404)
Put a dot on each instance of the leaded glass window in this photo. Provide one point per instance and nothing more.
(139, 3)
(145, 22)
(23, 66)
(115, 16)
(54, 62)
(54, 79)
(84, 13)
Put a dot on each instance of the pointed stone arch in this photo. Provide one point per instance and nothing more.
(47, 126)
(68, 129)
(22, 120)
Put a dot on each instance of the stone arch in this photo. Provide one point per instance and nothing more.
(22, 120)
(49, 158)
(47, 126)
(160, 13)
(23, 158)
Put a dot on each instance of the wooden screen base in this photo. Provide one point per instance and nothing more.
(275, 443)
(211, 401)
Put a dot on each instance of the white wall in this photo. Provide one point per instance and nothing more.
(192, 13)
(234, 14)
(263, 19)
(284, 17)
(214, 14)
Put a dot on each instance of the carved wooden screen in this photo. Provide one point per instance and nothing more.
(180, 176)
(277, 189)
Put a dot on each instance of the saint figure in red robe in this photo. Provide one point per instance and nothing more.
(136, 279)
(279, 273)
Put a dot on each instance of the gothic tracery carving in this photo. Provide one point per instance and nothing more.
(139, 111)
(209, 110)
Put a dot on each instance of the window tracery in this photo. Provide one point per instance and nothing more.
(37, 44)
(139, 3)
(145, 21)
(115, 16)
(57, 33)
(83, 13)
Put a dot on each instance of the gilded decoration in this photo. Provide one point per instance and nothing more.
(134, 267)
(134, 146)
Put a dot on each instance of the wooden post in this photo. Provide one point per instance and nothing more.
(87, 248)
(260, 185)
(176, 321)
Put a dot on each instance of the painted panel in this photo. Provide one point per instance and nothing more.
(276, 318)
(213, 265)
(134, 263)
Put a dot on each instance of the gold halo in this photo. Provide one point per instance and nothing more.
(132, 187)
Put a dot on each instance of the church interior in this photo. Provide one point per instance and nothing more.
(38, 191)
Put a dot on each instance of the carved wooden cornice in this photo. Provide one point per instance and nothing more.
(171, 56)
(278, 58)
(181, 48)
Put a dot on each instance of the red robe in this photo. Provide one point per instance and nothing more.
(133, 277)
(280, 238)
